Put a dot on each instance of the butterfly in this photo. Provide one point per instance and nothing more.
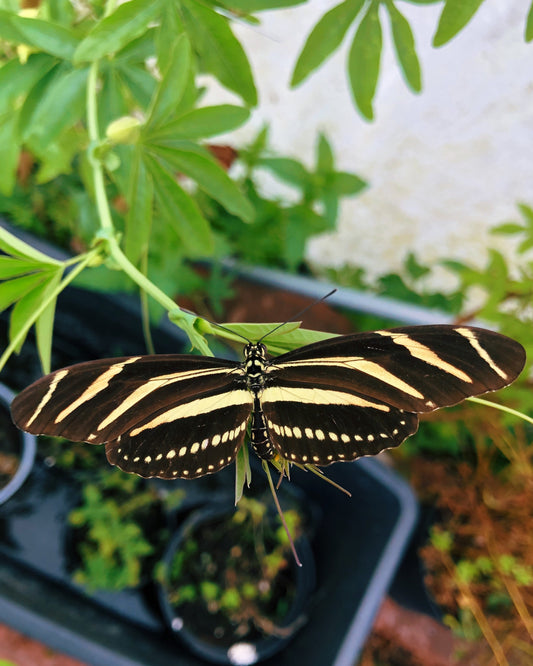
(184, 416)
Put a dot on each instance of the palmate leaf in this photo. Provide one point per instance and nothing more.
(140, 197)
(52, 38)
(364, 60)
(220, 53)
(180, 211)
(129, 21)
(59, 106)
(455, 15)
(172, 85)
(529, 25)
(206, 172)
(16, 247)
(9, 151)
(17, 79)
(21, 314)
(325, 38)
(404, 45)
(201, 123)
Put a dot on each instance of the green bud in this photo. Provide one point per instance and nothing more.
(124, 130)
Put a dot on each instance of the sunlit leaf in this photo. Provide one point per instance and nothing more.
(180, 211)
(529, 25)
(10, 244)
(221, 54)
(129, 21)
(325, 38)
(204, 122)
(62, 103)
(140, 207)
(9, 152)
(44, 326)
(455, 15)
(16, 288)
(404, 44)
(364, 60)
(172, 85)
(55, 39)
(210, 177)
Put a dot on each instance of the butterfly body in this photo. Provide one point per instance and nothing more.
(183, 416)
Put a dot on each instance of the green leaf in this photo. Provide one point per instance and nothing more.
(325, 38)
(529, 25)
(364, 60)
(129, 21)
(287, 169)
(45, 322)
(221, 54)
(180, 211)
(325, 158)
(8, 31)
(140, 206)
(345, 184)
(204, 122)
(12, 245)
(61, 105)
(52, 38)
(404, 44)
(15, 289)
(17, 79)
(455, 15)
(11, 267)
(251, 6)
(210, 177)
(173, 82)
(9, 152)
(508, 228)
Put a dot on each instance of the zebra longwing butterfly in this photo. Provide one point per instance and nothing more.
(185, 416)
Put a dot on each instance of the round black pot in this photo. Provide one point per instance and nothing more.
(245, 651)
(14, 444)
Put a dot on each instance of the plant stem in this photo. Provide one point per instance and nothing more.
(108, 232)
(502, 408)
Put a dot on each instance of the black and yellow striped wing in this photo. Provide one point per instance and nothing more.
(164, 415)
(185, 416)
(359, 394)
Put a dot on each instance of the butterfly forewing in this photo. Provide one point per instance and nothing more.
(416, 368)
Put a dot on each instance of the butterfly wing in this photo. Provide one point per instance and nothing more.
(163, 415)
(359, 394)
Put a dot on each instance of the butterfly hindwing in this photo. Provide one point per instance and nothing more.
(354, 426)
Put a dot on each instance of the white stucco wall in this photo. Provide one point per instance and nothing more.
(443, 166)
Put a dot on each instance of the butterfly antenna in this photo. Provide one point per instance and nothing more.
(299, 314)
(280, 512)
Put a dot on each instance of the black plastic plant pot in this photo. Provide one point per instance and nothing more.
(17, 450)
(212, 638)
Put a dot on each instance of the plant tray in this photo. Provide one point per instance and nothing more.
(358, 543)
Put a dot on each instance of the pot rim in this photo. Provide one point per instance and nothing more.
(29, 449)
